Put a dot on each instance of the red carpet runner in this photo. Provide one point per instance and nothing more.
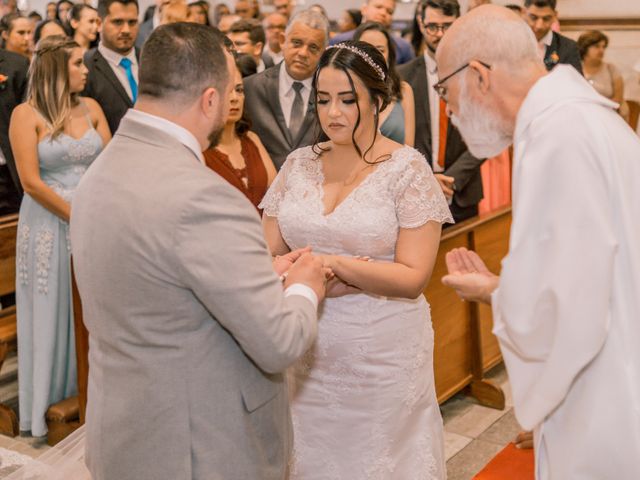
(510, 464)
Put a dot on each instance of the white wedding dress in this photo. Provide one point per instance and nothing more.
(363, 398)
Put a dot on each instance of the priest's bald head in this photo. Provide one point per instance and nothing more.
(487, 62)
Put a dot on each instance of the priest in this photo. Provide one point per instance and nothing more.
(566, 306)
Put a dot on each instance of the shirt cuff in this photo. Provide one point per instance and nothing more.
(304, 291)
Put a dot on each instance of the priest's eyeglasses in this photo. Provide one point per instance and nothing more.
(441, 88)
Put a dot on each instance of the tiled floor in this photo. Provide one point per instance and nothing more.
(473, 433)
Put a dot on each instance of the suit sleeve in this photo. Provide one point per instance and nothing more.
(464, 169)
(223, 258)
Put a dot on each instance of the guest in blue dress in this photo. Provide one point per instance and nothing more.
(55, 135)
(397, 121)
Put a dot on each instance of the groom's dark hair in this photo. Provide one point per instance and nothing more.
(180, 60)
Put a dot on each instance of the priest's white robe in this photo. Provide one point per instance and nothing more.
(567, 310)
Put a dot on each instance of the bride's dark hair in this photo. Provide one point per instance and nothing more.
(371, 69)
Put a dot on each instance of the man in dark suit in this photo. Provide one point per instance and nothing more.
(13, 85)
(457, 171)
(279, 101)
(113, 66)
(554, 48)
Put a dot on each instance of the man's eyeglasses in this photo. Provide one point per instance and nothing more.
(440, 87)
(434, 28)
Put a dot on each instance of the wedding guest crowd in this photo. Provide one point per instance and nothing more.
(308, 120)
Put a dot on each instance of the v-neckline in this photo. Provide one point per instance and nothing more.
(321, 180)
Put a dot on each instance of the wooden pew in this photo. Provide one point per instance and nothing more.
(8, 326)
(464, 347)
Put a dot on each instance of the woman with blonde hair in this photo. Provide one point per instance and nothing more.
(55, 135)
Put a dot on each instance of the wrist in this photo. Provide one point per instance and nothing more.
(491, 287)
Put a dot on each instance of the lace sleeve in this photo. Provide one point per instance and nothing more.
(270, 203)
(419, 198)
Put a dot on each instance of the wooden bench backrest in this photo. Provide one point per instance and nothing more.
(8, 232)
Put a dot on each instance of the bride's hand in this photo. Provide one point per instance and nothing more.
(337, 288)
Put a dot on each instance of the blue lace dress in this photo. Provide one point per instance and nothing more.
(46, 340)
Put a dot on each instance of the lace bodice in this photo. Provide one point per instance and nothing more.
(400, 193)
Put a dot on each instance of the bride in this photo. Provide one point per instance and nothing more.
(363, 397)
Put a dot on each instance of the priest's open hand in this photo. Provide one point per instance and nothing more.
(469, 276)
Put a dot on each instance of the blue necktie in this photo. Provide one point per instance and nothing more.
(126, 64)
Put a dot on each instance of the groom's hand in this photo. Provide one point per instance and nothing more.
(282, 263)
(309, 270)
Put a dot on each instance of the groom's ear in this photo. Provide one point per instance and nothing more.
(209, 101)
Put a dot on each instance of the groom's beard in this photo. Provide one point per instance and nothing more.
(214, 137)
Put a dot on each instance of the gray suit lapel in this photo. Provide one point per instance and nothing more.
(272, 92)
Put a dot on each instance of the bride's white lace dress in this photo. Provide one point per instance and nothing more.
(363, 397)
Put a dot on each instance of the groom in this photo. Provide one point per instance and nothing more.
(189, 326)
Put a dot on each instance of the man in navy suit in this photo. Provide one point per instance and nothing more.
(554, 48)
(13, 84)
(113, 65)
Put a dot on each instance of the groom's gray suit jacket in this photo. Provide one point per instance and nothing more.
(189, 327)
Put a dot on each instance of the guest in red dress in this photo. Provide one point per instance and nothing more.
(240, 158)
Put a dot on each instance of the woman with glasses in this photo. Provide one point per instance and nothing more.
(398, 121)
(240, 158)
(363, 396)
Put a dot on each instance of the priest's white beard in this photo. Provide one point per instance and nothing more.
(484, 132)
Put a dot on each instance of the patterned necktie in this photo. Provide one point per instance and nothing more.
(442, 137)
(295, 122)
(126, 64)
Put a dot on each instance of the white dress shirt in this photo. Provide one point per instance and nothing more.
(186, 138)
(276, 57)
(434, 110)
(113, 59)
(287, 94)
(3, 161)
(169, 128)
(544, 43)
(261, 66)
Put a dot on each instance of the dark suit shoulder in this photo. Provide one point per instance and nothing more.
(15, 61)
(564, 41)
(408, 69)
(258, 79)
(92, 56)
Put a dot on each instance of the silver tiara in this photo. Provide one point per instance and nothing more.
(362, 55)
